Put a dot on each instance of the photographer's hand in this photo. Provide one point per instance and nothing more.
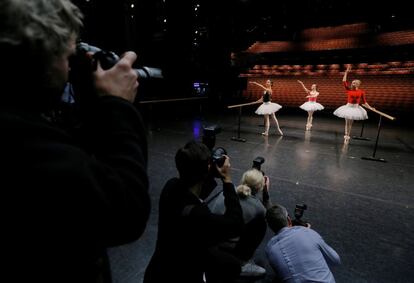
(224, 171)
(120, 80)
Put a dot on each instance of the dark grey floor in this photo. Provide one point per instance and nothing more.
(363, 209)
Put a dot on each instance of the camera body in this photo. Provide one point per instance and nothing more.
(84, 62)
(209, 135)
(299, 210)
(82, 95)
(209, 139)
(257, 163)
(108, 58)
(217, 156)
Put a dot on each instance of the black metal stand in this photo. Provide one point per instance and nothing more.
(373, 158)
(238, 138)
(360, 136)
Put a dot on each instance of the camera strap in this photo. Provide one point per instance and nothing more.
(212, 196)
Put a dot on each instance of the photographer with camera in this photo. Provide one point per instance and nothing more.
(297, 253)
(187, 229)
(68, 197)
(252, 183)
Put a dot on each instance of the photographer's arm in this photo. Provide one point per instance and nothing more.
(330, 255)
(222, 226)
(115, 135)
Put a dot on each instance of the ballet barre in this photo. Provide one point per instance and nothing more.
(381, 114)
(171, 100)
(243, 104)
(362, 127)
(238, 138)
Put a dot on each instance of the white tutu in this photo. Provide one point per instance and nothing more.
(268, 108)
(311, 106)
(351, 111)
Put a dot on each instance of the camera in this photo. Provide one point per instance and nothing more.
(108, 58)
(82, 66)
(209, 139)
(257, 163)
(217, 156)
(209, 135)
(79, 95)
(299, 210)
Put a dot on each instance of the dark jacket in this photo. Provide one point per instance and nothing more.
(184, 237)
(65, 200)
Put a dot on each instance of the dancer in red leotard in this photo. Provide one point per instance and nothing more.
(311, 105)
(352, 110)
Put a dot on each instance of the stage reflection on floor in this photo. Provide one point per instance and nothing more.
(362, 208)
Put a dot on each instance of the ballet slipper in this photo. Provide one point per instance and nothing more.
(265, 134)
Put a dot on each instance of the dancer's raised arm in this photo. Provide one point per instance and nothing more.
(346, 73)
(260, 85)
(307, 90)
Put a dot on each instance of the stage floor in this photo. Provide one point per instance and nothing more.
(362, 208)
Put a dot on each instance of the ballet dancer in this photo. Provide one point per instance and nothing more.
(311, 105)
(268, 108)
(352, 110)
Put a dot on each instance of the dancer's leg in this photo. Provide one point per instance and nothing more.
(277, 124)
(350, 122)
(310, 118)
(348, 126)
(309, 122)
(267, 125)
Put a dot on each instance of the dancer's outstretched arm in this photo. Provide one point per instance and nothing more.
(365, 104)
(260, 85)
(307, 90)
(346, 73)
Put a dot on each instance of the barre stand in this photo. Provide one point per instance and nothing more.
(381, 114)
(238, 138)
(361, 134)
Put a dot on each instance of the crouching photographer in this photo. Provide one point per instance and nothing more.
(253, 182)
(90, 190)
(297, 252)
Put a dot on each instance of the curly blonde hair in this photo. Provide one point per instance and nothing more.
(41, 27)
